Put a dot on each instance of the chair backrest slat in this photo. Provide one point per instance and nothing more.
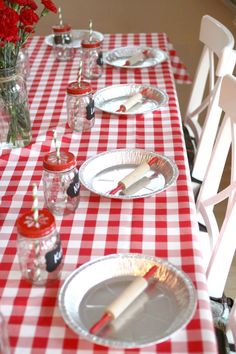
(217, 59)
(223, 241)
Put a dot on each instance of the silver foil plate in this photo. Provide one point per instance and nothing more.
(166, 305)
(117, 57)
(77, 37)
(101, 173)
(111, 97)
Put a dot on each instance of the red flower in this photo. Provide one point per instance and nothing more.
(49, 5)
(2, 5)
(8, 25)
(29, 29)
(18, 2)
(28, 17)
(32, 4)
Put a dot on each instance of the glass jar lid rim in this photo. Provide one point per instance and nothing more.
(61, 28)
(95, 43)
(84, 87)
(66, 162)
(27, 227)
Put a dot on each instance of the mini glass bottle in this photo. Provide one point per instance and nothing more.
(92, 58)
(61, 182)
(80, 106)
(39, 247)
(62, 42)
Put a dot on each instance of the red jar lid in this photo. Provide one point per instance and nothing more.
(27, 227)
(61, 29)
(51, 163)
(93, 44)
(74, 89)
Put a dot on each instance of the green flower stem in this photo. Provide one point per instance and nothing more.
(15, 110)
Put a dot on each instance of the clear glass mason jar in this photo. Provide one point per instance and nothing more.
(61, 182)
(62, 42)
(92, 58)
(39, 247)
(15, 127)
(80, 106)
(22, 63)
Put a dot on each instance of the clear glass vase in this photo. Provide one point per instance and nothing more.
(22, 64)
(15, 127)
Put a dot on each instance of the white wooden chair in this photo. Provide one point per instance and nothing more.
(217, 59)
(218, 243)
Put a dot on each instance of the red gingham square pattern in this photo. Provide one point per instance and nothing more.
(163, 225)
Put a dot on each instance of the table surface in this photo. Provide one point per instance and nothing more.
(163, 225)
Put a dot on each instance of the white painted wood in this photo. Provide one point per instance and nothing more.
(218, 244)
(217, 59)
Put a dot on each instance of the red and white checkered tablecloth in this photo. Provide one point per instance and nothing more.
(163, 225)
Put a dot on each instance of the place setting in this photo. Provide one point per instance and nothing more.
(128, 173)
(130, 99)
(135, 57)
(127, 300)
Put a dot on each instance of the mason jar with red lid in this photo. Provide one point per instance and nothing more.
(92, 58)
(61, 183)
(80, 106)
(63, 42)
(39, 247)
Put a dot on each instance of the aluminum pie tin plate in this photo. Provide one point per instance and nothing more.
(78, 36)
(162, 309)
(111, 97)
(101, 173)
(118, 57)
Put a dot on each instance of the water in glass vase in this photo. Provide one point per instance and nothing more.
(15, 127)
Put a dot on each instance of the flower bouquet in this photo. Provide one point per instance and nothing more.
(18, 19)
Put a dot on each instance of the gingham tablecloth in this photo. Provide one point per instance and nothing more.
(163, 225)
